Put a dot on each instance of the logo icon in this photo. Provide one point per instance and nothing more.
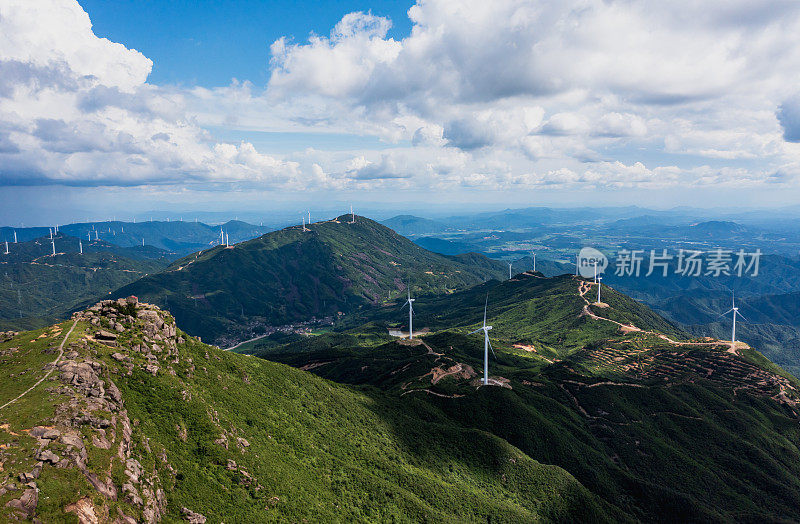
(587, 259)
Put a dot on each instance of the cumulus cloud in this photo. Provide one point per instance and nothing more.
(506, 94)
(75, 109)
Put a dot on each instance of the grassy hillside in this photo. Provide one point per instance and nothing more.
(291, 276)
(143, 422)
(660, 425)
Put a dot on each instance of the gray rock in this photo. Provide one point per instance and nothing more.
(46, 455)
(192, 516)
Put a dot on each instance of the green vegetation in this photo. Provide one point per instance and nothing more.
(241, 439)
(658, 430)
(37, 289)
(292, 275)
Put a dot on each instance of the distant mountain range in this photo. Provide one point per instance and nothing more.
(36, 288)
(175, 236)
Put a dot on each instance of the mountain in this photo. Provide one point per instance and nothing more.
(173, 236)
(409, 225)
(290, 276)
(119, 416)
(660, 425)
(37, 288)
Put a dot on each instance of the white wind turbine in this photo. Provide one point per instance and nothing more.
(595, 272)
(304, 222)
(80, 247)
(15, 237)
(534, 262)
(352, 216)
(509, 270)
(6, 247)
(54, 247)
(736, 313)
(486, 344)
(410, 302)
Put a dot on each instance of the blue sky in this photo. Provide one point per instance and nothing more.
(208, 43)
(232, 105)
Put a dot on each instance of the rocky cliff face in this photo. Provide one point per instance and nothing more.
(89, 433)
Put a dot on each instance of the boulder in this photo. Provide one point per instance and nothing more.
(105, 335)
(192, 516)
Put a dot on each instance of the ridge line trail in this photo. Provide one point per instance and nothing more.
(52, 367)
(584, 287)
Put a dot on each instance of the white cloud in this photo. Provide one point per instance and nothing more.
(507, 94)
(75, 109)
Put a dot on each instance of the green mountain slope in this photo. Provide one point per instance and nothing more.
(119, 416)
(660, 425)
(291, 276)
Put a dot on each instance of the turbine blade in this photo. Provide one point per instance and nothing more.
(490, 346)
(405, 304)
(742, 317)
(723, 314)
(485, 306)
(471, 332)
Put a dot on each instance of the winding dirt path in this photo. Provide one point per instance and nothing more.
(584, 287)
(52, 367)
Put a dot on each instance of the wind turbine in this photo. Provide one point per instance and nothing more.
(54, 247)
(51, 232)
(6, 247)
(309, 217)
(96, 234)
(595, 272)
(304, 222)
(534, 262)
(486, 344)
(80, 247)
(509, 270)
(410, 302)
(736, 313)
(599, 283)
(15, 237)
(352, 216)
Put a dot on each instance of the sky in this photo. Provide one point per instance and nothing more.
(116, 108)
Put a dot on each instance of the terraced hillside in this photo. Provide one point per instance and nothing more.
(119, 416)
(660, 425)
(291, 276)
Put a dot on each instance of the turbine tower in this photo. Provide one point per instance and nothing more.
(80, 247)
(534, 262)
(54, 247)
(410, 302)
(486, 344)
(509, 270)
(599, 283)
(595, 271)
(352, 216)
(735, 311)
(6, 247)
(15, 237)
(304, 222)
